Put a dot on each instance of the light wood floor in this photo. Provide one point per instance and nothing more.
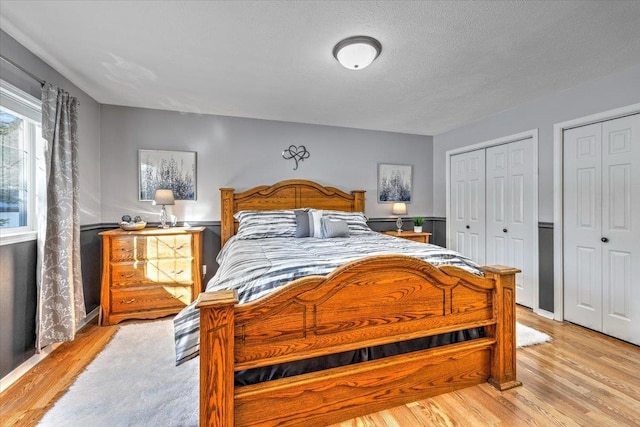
(582, 379)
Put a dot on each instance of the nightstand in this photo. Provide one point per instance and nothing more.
(410, 235)
(149, 273)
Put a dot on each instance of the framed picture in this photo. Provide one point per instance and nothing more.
(167, 169)
(394, 183)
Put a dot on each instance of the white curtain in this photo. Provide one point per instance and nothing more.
(60, 296)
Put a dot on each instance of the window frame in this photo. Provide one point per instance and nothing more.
(29, 108)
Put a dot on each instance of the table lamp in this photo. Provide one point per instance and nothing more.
(399, 209)
(163, 196)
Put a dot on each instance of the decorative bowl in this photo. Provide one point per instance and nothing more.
(133, 226)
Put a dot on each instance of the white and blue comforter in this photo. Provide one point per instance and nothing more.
(256, 267)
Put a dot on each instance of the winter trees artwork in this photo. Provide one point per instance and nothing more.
(394, 183)
(167, 169)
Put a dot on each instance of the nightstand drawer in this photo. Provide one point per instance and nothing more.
(421, 239)
(170, 271)
(149, 298)
(170, 247)
(410, 235)
(124, 249)
(128, 273)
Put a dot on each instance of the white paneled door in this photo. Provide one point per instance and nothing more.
(510, 207)
(602, 227)
(467, 204)
(493, 209)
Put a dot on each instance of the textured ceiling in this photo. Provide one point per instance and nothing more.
(443, 64)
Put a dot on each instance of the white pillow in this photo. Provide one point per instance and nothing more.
(315, 223)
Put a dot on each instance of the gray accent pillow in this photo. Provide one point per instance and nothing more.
(302, 223)
(334, 228)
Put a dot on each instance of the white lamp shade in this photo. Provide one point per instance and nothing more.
(399, 209)
(356, 53)
(163, 196)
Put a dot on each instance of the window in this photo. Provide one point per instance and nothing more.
(20, 138)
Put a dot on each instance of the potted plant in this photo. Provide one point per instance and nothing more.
(417, 224)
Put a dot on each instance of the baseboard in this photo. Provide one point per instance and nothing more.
(31, 362)
(544, 313)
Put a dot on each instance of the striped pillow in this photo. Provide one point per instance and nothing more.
(356, 221)
(266, 224)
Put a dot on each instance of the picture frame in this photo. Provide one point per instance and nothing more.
(167, 169)
(394, 183)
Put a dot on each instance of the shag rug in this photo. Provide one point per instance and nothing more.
(134, 382)
(526, 336)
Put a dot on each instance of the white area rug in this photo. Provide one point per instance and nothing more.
(134, 382)
(526, 336)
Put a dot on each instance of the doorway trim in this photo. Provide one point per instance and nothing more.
(558, 195)
(529, 134)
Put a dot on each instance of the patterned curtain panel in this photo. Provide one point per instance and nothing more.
(60, 296)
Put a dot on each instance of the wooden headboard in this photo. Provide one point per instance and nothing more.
(290, 194)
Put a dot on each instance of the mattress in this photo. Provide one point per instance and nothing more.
(256, 267)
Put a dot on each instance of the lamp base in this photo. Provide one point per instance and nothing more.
(163, 218)
(399, 225)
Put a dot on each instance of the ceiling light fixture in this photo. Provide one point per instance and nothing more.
(356, 53)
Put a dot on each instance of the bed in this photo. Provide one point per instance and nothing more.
(373, 301)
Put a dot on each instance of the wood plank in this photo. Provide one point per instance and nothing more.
(582, 378)
(26, 401)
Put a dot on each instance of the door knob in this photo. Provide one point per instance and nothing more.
(604, 240)
(504, 230)
(468, 227)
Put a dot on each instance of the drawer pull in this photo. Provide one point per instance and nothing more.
(126, 249)
(127, 275)
(123, 301)
(176, 272)
(176, 248)
(177, 296)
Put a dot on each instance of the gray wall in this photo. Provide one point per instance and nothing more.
(242, 153)
(88, 115)
(613, 91)
(18, 261)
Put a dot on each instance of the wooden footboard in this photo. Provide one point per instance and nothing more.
(373, 301)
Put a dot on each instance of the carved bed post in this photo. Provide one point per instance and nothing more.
(503, 360)
(217, 358)
(358, 201)
(226, 215)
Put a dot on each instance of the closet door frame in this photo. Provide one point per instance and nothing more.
(558, 195)
(529, 134)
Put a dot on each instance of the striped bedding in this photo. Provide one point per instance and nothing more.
(256, 267)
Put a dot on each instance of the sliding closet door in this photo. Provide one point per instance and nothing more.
(602, 227)
(510, 207)
(468, 204)
(582, 226)
(621, 228)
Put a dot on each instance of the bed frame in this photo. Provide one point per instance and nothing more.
(372, 301)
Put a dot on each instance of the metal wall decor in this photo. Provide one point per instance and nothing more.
(297, 153)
